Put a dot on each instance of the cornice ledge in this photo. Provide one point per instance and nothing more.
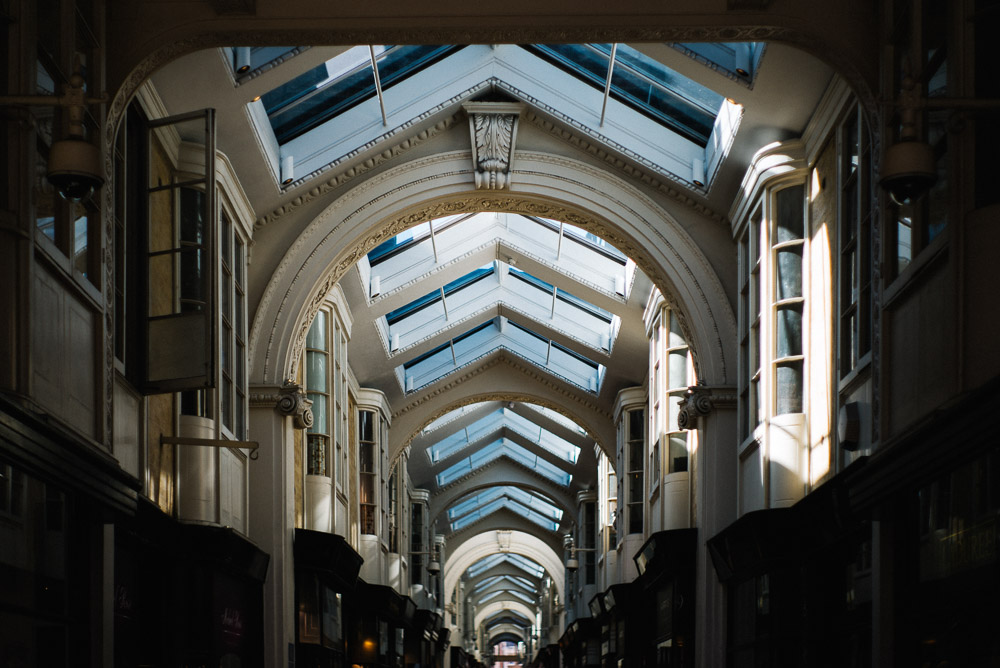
(596, 149)
(342, 177)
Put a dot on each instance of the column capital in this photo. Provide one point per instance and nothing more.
(289, 400)
(700, 400)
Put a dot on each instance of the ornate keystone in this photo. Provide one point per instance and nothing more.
(493, 127)
(700, 400)
(290, 401)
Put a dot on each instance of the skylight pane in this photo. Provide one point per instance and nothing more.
(503, 448)
(650, 88)
(345, 81)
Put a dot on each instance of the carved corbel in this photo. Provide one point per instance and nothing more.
(700, 400)
(493, 127)
(289, 401)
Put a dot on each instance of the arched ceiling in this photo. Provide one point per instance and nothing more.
(499, 336)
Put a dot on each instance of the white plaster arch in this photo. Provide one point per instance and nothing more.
(542, 184)
(496, 607)
(486, 544)
(504, 629)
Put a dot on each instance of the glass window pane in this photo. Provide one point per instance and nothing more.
(678, 369)
(789, 217)
(317, 333)
(789, 330)
(316, 373)
(789, 272)
(319, 410)
(789, 388)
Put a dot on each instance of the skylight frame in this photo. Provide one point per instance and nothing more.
(516, 580)
(529, 566)
(498, 449)
(446, 358)
(701, 112)
(349, 86)
(503, 418)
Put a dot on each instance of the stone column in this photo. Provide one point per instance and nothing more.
(275, 413)
(712, 411)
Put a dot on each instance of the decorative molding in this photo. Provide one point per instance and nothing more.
(597, 148)
(493, 130)
(496, 201)
(700, 400)
(289, 400)
(359, 169)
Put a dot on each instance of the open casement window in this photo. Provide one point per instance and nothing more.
(180, 251)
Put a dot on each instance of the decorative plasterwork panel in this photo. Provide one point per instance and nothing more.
(493, 130)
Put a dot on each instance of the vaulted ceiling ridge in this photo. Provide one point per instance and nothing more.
(502, 356)
(359, 169)
(595, 148)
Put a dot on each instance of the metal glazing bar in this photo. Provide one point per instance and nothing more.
(607, 83)
(378, 85)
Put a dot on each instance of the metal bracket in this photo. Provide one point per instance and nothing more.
(252, 446)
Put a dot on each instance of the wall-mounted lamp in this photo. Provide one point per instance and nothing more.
(74, 167)
(434, 565)
(908, 165)
(573, 563)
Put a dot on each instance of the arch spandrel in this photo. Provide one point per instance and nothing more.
(543, 185)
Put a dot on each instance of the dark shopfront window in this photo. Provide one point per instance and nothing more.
(43, 593)
(953, 601)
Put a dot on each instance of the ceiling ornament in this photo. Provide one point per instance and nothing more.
(493, 130)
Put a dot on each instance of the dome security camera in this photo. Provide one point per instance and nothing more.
(908, 171)
(74, 168)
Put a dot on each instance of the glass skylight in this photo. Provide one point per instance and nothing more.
(524, 503)
(529, 566)
(581, 257)
(486, 287)
(332, 88)
(501, 333)
(513, 580)
(558, 417)
(642, 83)
(503, 448)
(490, 424)
(516, 594)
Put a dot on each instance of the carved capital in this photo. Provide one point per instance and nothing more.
(700, 400)
(493, 127)
(289, 400)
